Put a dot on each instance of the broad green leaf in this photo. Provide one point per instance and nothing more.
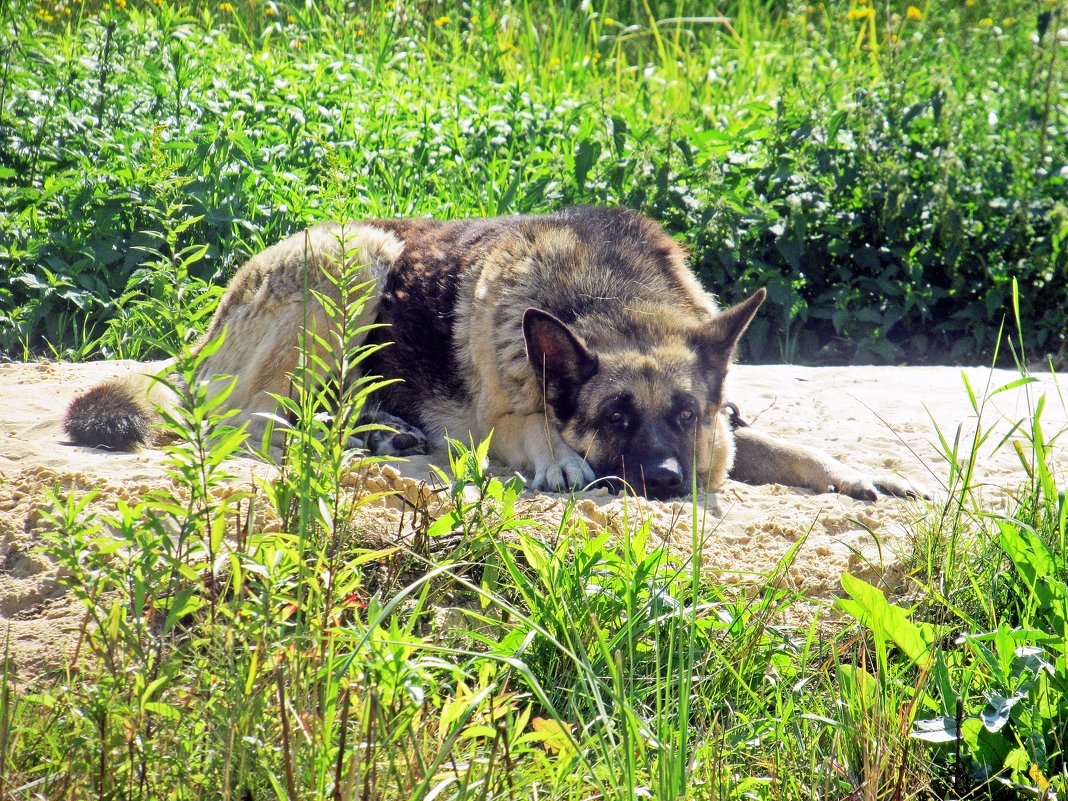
(998, 710)
(871, 609)
(534, 553)
(150, 690)
(184, 603)
(445, 524)
(857, 686)
(936, 730)
(554, 734)
(988, 749)
(1037, 566)
(490, 573)
(477, 731)
(163, 710)
(586, 155)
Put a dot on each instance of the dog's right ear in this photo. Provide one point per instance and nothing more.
(559, 358)
(717, 340)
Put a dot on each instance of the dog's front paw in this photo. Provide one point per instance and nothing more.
(899, 487)
(858, 487)
(565, 473)
(864, 488)
(709, 501)
(398, 443)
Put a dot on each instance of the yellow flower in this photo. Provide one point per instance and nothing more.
(810, 9)
(269, 11)
(969, 3)
(986, 22)
(861, 13)
(1008, 21)
(609, 21)
(913, 13)
(441, 22)
(226, 8)
(120, 4)
(476, 19)
(291, 19)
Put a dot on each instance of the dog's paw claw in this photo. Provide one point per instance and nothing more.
(567, 473)
(709, 499)
(864, 488)
(900, 488)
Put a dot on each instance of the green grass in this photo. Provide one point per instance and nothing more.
(238, 644)
(253, 645)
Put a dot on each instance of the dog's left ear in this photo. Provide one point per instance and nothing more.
(717, 340)
(559, 357)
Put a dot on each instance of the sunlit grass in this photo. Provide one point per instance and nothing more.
(885, 169)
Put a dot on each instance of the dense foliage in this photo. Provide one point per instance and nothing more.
(885, 171)
(890, 173)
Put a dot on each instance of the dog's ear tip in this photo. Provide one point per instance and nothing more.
(533, 315)
(553, 348)
(753, 301)
(716, 341)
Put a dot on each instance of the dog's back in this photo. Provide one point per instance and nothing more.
(612, 273)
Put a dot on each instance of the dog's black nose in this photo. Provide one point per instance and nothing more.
(663, 479)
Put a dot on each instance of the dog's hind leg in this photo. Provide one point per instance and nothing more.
(397, 438)
(277, 298)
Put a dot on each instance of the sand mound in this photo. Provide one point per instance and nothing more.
(876, 417)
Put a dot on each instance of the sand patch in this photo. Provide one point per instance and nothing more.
(874, 417)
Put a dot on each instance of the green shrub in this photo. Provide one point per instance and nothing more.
(885, 177)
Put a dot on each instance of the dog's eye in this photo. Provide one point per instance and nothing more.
(686, 418)
(619, 421)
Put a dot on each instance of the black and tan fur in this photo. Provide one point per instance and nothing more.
(582, 340)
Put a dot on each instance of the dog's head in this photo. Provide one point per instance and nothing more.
(641, 412)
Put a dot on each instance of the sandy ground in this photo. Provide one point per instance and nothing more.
(880, 418)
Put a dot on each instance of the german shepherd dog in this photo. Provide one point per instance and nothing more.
(581, 340)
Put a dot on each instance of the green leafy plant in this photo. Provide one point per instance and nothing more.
(891, 177)
(992, 684)
(886, 188)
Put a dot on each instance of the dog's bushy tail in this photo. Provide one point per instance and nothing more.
(120, 414)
